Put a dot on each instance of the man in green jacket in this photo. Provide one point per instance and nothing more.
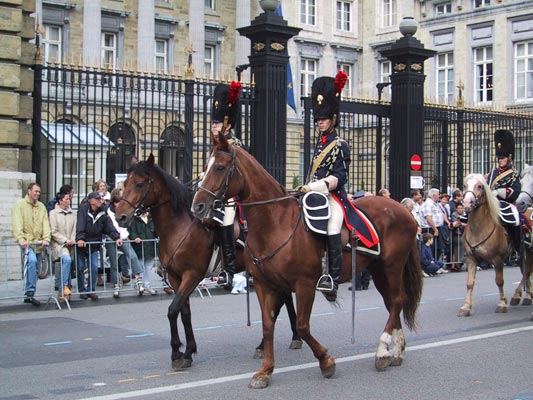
(30, 225)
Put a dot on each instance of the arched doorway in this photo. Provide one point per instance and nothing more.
(172, 152)
(118, 157)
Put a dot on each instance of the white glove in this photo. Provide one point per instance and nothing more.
(501, 193)
(319, 186)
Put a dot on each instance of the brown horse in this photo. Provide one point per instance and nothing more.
(485, 239)
(284, 255)
(185, 246)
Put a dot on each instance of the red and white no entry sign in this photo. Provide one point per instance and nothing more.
(416, 162)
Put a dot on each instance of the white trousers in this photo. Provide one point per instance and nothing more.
(337, 217)
(230, 210)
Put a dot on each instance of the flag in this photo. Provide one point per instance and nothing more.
(290, 87)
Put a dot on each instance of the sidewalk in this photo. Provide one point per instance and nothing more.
(12, 296)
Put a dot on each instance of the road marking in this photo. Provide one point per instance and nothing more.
(140, 335)
(151, 376)
(58, 343)
(126, 380)
(232, 378)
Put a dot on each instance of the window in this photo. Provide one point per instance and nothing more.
(388, 13)
(308, 75)
(443, 8)
(347, 68)
(209, 62)
(109, 50)
(210, 4)
(52, 44)
(523, 59)
(483, 74)
(481, 3)
(308, 12)
(385, 71)
(161, 56)
(343, 16)
(445, 78)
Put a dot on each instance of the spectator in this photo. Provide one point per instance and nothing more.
(63, 226)
(458, 228)
(432, 218)
(142, 231)
(91, 226)
(126, 249)
(101, 187)
(65, 189)
(410, 205)
(30, 225)
(384, 193)
(416, 196)
(457, 197)
(444, 229)
(429, 264)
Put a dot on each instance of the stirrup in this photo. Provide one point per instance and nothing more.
(223, 278)
(325, 283)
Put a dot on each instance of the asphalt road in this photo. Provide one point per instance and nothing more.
(121, 350)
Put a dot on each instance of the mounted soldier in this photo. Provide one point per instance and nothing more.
(224, 114)
(504, 181)
(329, 172)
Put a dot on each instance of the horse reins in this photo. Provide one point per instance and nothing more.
(140, 208)
(474, 206)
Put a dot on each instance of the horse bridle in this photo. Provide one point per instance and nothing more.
(140, 208)
(529, 194)
(219, 200)
(475, 204)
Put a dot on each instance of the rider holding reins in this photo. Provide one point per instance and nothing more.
(329, 172)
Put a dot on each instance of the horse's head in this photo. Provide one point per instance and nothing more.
(219, 181)
(477, 194)
(137, 195)
(525, 198)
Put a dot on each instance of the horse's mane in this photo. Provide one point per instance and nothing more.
(180, 195)
(491, 201)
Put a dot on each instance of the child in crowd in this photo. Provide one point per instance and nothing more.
(429, 264)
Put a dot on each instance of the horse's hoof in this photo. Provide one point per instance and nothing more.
(181, 364)
(526, 302)
(259, 354)
(259, 382)
(295, 345)
(464, 313)
(396, 361)
(382, 363)
(501, 310)
(329, 371)
(514, 301)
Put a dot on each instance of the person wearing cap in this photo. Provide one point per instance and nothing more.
(224, 112)
(91, 226)
(329, 172)
(504, 180)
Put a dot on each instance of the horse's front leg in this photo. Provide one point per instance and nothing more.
(305, 295)
(190, 348)
(269, 302)
(466, 309)
(296, 342)
(502, 306)
(517, 295)
(175, 343)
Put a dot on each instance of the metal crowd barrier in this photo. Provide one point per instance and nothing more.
(12, 278)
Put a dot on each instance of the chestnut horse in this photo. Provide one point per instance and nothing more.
(485, 239)
(185, 246)
(284, 255)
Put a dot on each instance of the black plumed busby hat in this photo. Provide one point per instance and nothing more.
(504, 142)
(326, 96)
(226, 103)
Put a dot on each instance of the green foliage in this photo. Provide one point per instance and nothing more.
(295, 181)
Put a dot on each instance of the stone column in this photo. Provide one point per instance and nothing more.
(17, 56)
(243, 16)
(146, 35)
(92, 32)
(197, 34)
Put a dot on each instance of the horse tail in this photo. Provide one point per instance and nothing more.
(412, 283)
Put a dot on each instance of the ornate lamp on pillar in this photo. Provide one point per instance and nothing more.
(407, 55)
(268, 34)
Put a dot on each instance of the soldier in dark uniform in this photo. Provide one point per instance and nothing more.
(329, 172)
(504, 181)
(224, 113)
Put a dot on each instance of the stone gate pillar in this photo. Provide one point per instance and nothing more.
(407, 108)
(269, 34)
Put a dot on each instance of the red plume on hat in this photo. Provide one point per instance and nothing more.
(340, 81)
(234, 91)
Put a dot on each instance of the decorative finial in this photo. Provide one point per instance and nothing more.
(269, 5)
(408, 26)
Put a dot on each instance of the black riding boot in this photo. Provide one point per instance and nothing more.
(516, 239)
(328, 284)
(227, 246)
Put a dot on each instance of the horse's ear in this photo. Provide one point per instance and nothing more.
(150, 161)
(220, 142)
(526, 165)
